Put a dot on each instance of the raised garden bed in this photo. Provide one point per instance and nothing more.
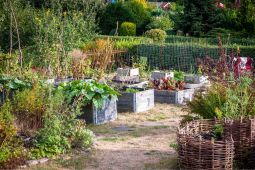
(127, 75)
(157, 75)
(174, 97)
(108, 112)
(198, 150)
(137, 101)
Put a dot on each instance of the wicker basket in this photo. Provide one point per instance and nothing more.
(197, 153)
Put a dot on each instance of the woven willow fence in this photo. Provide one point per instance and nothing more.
(197, 153)
(237, 145)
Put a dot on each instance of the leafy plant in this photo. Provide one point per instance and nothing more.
(61, 131)
(157, 35)
(178, 75)
(131, 90)
(218, 131)
(167, 84)
(87, 92)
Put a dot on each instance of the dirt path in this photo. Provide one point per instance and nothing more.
(135, 141)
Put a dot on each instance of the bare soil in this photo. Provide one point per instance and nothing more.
(135, 141)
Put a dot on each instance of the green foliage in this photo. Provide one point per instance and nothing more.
(12, 83)
(142, 64)
(131, 90)
(11, 147)
(127, 29)
(218, 131)
(200, 17)
(209, 105)
(247, 15)
(29, 107)
(161, 22)
(221, 101)
(156, 34)
(178, 75)
(131, 11)
(62, 130)
(87, 92)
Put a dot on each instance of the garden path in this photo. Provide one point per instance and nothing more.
(135, 141)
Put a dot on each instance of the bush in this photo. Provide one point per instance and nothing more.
(131, 11)
(11, 147)
(156, 34)
(232, 101)
(162, 23)
(127, 29)
(62, 130)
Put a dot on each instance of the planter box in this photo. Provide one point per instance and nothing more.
(156, 75)
(193, 86)
(100, 116)
(174, 97)
(128, 72)
(195, 79)
(136, 102)
(127, 79)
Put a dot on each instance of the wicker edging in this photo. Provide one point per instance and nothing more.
(197, 153)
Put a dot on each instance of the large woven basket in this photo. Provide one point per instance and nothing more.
(197, 153)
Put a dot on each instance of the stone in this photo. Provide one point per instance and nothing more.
(32, 162)
(43, 160)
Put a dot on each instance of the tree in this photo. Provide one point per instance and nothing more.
(200, 16)
(247, 15)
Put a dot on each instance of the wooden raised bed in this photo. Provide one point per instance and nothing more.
(174, 97)
(194, 152)
(136, 102)
(128, 75)
(157, 75)
(107, 113)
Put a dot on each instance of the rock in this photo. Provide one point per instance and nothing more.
(43, 160)
(23, 167)
(88, 150)
(32, 162)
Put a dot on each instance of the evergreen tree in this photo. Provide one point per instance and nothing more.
(200, 16)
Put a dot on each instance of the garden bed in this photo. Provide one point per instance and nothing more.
(197, 151)
(137, 101)
(108, 112)
(174, 97)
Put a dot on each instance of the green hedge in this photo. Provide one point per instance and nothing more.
(209, 41)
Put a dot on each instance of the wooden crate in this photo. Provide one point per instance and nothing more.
(174, 97)
(107, 113)
(136, 102)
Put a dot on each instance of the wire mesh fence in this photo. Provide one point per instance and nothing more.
(180, 55)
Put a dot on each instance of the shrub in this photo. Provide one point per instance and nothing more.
(127, 29)
(162, 23)
(133, 11)
(11, 147)
(156, 34)
(232, 101)
(29, 107)
(62, 130)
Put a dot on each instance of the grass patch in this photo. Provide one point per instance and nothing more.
(164, 163)
(157, 117)
(113, 139)
(101, 129)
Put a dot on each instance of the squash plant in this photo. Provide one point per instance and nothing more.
(13, 83)
(80, 91)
